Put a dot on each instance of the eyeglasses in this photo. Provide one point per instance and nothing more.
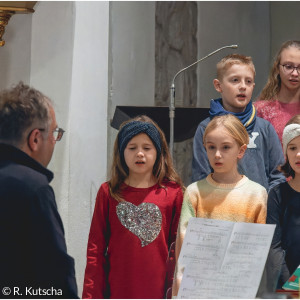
(290, 69)
(58, 134)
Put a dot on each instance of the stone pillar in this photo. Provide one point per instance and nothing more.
(176, 48)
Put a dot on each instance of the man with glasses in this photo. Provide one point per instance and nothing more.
(33, 255)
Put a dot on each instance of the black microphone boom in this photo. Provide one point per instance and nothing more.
(172, 98)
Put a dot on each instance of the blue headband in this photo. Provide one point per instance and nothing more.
(134, 128)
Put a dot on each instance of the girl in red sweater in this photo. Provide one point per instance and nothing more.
(135, 217)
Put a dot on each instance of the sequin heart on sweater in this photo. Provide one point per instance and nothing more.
(144, 220)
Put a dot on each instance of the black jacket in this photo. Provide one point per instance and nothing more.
(33, 255)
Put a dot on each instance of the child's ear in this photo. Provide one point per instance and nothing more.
(242, 151)
(217, 85)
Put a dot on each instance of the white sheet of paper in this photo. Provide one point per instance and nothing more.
(223, 259)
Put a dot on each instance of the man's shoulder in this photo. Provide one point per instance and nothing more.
(23, 187)
(24, 176)
(16, 162)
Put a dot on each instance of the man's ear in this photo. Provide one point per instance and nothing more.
(242, 151)
(34, 140)
(217, 85)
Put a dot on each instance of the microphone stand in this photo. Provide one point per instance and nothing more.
(172, 96)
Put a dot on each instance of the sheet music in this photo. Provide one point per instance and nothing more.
(223, 259)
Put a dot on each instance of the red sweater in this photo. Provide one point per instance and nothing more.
(131, 270)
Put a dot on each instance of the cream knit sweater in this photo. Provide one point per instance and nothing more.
(244, 201)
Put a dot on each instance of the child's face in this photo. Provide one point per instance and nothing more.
(290, 79)
(293, 154)
(223, 151)
(140, 155)
(236, 87)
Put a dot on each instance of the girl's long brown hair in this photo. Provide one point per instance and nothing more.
(273, 84)
(163, 168)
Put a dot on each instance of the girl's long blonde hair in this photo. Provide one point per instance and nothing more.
(163, 168)
(273, 84)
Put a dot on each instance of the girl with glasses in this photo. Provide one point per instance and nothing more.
(280, 98)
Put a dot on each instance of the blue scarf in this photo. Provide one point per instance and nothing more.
(247, 117)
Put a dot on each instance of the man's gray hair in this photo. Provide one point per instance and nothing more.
(21, 108)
